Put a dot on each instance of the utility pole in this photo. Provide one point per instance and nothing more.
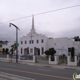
(16, 40)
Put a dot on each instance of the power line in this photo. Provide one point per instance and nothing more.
(41, 13)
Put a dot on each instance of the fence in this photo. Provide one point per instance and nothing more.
(55, 60)
(22, 58)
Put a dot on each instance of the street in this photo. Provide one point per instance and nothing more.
(37, 72)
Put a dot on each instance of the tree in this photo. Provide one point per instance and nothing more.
(76, 38)
(50, 52)
(1, 41)
(6, 41)
(72, 51)
(69, 49)
(7, 51)
(11, 52)
(3, 50)
(47, 52)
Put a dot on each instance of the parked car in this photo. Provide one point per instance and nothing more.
(23, 57)
(14, 57)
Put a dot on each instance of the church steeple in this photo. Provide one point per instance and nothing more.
(32, 22)
(32, 29)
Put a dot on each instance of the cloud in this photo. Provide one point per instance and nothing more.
(55, 24)
(71, 33)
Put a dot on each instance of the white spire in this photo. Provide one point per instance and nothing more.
(32, 22)
(32, 30)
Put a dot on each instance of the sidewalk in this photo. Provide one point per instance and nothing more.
(56, 66)
(6, 76)
(48, 65)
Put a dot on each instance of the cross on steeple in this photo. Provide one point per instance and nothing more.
(31, 37)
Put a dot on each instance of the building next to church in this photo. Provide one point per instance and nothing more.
(34, 43)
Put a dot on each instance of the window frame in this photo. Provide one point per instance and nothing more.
(21, 42)
(25, 42)
(42, 41)
(37, 41)
(31, 50)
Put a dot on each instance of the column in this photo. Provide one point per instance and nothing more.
(7, 56)
(68, 60)
(29, 50)
(34, 59)
(49, 59)
(23, 51)
(56, 60)
(75, 60)
(33, 50)
(44, 50)
(41, 51)
(19, 57)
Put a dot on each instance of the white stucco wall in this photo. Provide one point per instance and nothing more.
(61, 45)
(36, 37)
(72, 63)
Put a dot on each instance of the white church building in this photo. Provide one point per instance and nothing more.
(36, 44)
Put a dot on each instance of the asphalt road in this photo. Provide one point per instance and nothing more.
(37, 72)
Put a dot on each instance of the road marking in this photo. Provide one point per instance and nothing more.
(15, 76)
(37, 73)
(43, 69)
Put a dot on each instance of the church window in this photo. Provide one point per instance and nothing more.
(42, 50)
(42, 40)
(37, 41)
(31, 50)
(21, 50)
(32, 41)
(25, 42)
(21, 42)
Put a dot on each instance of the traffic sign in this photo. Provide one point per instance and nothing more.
(17, 44)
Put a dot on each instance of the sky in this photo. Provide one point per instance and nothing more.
(58, 24)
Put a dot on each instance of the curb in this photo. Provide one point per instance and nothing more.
(55, 66)
(52, 66)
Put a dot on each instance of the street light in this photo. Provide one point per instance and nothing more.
(16, 40)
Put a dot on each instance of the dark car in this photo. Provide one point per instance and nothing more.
(23, 57)
(14, 57)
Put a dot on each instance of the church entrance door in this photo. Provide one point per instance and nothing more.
(26, 51)
(40, 59)
(37, 51)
